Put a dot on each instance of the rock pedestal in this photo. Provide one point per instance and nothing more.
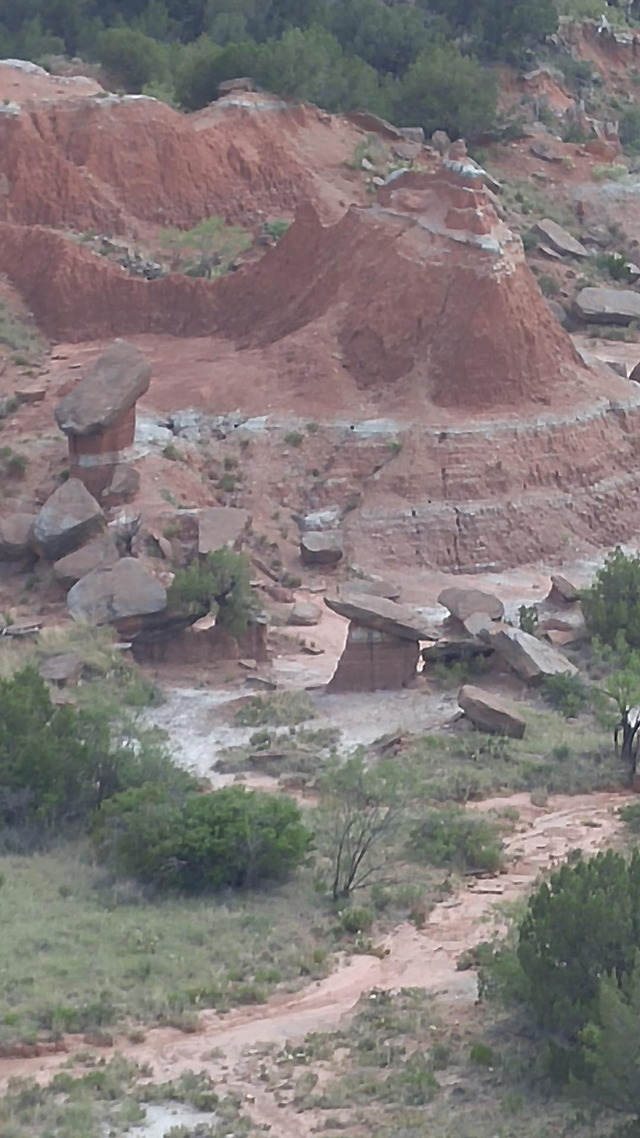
(375, 661)
(99, 418)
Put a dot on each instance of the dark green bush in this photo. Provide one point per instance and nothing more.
(567, 693)
(221, 584)
(453, 836)
(232, 838)
(612, 604)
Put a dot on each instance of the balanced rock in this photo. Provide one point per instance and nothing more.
(70, 517)
(608, 305)
(101, 550)
(318, 548)
(462, 603)
(305, 613)
(116, 592)
(375, 660)
(528, 657)
(558, 239)
(383, 616)
(110, 388)
(488, 713)
(65, 668)
(221, 527)
(15, 535)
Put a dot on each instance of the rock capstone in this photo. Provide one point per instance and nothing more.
(531, 659)
(462, 603)
(383, 616)
(608, 305)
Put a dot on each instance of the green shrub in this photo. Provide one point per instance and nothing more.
(528, 619)
(357, 920)
(232, 838)
(277, 229)
(59, 764)
(566, 692)
(294, 438)
(221, 584)
(13, 465)
(457, 837)
(132, 58)
(612, 604)
(282, 709)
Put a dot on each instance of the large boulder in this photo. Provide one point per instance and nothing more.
(553, 235)
(608, 305)
(221, 527)
(488, 713)
(383, 616)
(116, 592)
(15, 536)
(305, 613)
(101, 550)
(463, 603)
(528, 657)
(110, 388)
(68, 519)
(318, 548)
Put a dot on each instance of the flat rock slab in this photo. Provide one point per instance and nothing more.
(15, 536)
(383, 616)
(101, 550)
(463, 603)
(558, 239)
(321, 548)
(608, 305)
(489, 713)
(115, 593)
(528, 657)
(68, 519)
(111, 387)
(221, 527)
(375, 587)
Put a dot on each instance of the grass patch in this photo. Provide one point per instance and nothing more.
(282, 709)
(81, 952)
(296, 751)
(18, 333)
(111, 1098)
(556, 756)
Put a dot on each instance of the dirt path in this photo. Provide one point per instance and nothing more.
(424, 958)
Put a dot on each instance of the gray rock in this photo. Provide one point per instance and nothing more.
(110, 388)
(558, 239)
(68, 519)
(608, 305)
(383, 616)
(413, 134)
(462, 603)
(15, 535)
(562, 591)
(549, 149)
(321, 548)
(488, 713)
(101, 550)
(370, 587)
(305, 613)
(557, 311)
(116, 592)
(528, 657)
(221, 527)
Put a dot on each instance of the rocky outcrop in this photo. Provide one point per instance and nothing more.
(562, 591)
(68, 519)
(200, 646)
(374, 660)
(557, 238)
(221, 527)
(463, 603)
(608, 305)
(381, 615)
(116, 593)
(98, 416)
(489, 713)
(531, 659)
(100, 551)
(321, 548)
